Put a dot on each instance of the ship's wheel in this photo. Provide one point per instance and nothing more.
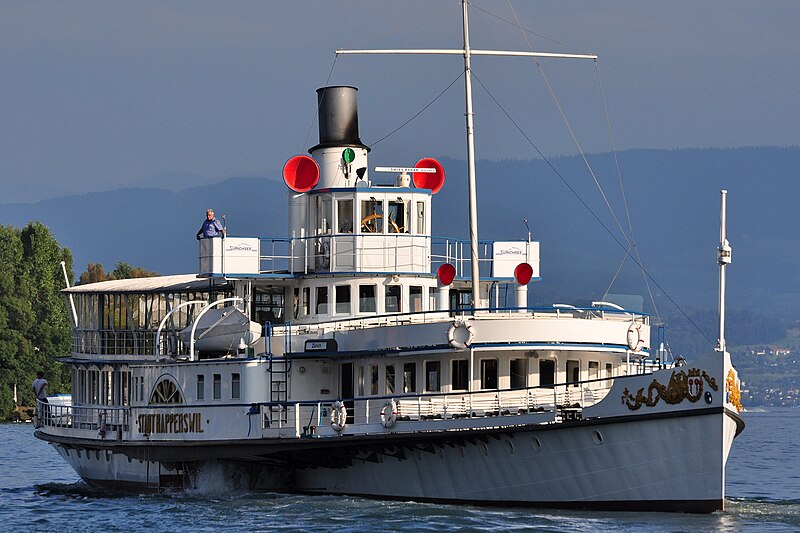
(369, 224)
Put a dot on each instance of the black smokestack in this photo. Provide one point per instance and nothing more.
(338, 117)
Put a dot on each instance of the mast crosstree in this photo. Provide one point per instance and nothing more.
(467, 52)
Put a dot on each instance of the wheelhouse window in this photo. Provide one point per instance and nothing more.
(519, 373)
(236, 386)
(342, 298)
(393, 299)
(371, 216)
(409, 377)
(344, 213)
(460, 374)
(322, 300)
(201, 387)
(433, 376)
(366, 299)
(420, 218)
(489, 373)
(397, 217)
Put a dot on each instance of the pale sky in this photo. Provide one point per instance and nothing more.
(99, 95)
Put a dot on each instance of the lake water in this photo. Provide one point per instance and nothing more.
(39, 492)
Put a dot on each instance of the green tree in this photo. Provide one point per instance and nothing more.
(96, 272)
(34, 324)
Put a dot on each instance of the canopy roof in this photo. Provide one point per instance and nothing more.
(160, 284)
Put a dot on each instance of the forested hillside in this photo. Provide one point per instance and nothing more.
(34, 324)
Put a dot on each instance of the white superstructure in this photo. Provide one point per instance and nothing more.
(389, 363)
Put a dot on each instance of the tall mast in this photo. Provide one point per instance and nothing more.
(724, 259)
(473, 196)
(467, 52)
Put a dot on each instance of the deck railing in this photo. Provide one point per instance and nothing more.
(491, 407)
(92, 418)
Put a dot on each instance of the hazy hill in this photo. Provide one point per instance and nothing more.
(673, 197)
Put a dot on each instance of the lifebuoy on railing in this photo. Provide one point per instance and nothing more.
(635, 340)
(460, 335)
(389, 414)
(338, 416)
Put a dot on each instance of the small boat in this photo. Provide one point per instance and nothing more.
(224, 329)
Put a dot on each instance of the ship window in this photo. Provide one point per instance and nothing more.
(166, 391)
(366, 299)
(306, 300)
(432, 376)
(373, 375)
(201, 387)
(421, 218)
(393, 303)
(389, 379)
(410, 377)
(342, 293)
(268, 307)
(141, 388)
(573, 372)
(594, 370)
(371, 216)
(547, 372)
(322, 300)
(324, 214)
(217, 386)
(361, 381)
(519, 373)
(488, 373)
(397, 217)
(460, 368)
(415, 298)
(236, 384)
(609, 373)
(345, 215)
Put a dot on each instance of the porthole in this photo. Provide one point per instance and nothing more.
(597, 437)
(536, 444)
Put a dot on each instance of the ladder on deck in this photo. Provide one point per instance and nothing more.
(279, 368)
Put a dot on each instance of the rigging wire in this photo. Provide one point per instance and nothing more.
(631, 241)
(591, 211)
(404, 124)
(568, 125)
(305, 144)
(622, 189)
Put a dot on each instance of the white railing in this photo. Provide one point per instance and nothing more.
(497, 408)
(93, 418)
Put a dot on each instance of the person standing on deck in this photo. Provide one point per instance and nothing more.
(40, 391)
(211, 227)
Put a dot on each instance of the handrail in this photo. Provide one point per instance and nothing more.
(157, 348)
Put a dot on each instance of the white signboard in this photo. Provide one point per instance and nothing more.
(231, 255)
(508, 254)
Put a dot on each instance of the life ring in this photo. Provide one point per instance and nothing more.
(389, 414)
(460, 335)
(338, 416)
(635, 340)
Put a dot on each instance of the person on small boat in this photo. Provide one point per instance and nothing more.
(211, 227)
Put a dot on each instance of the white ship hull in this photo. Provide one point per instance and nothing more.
(652, 463)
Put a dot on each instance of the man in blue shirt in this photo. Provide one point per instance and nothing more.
(211, 227)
